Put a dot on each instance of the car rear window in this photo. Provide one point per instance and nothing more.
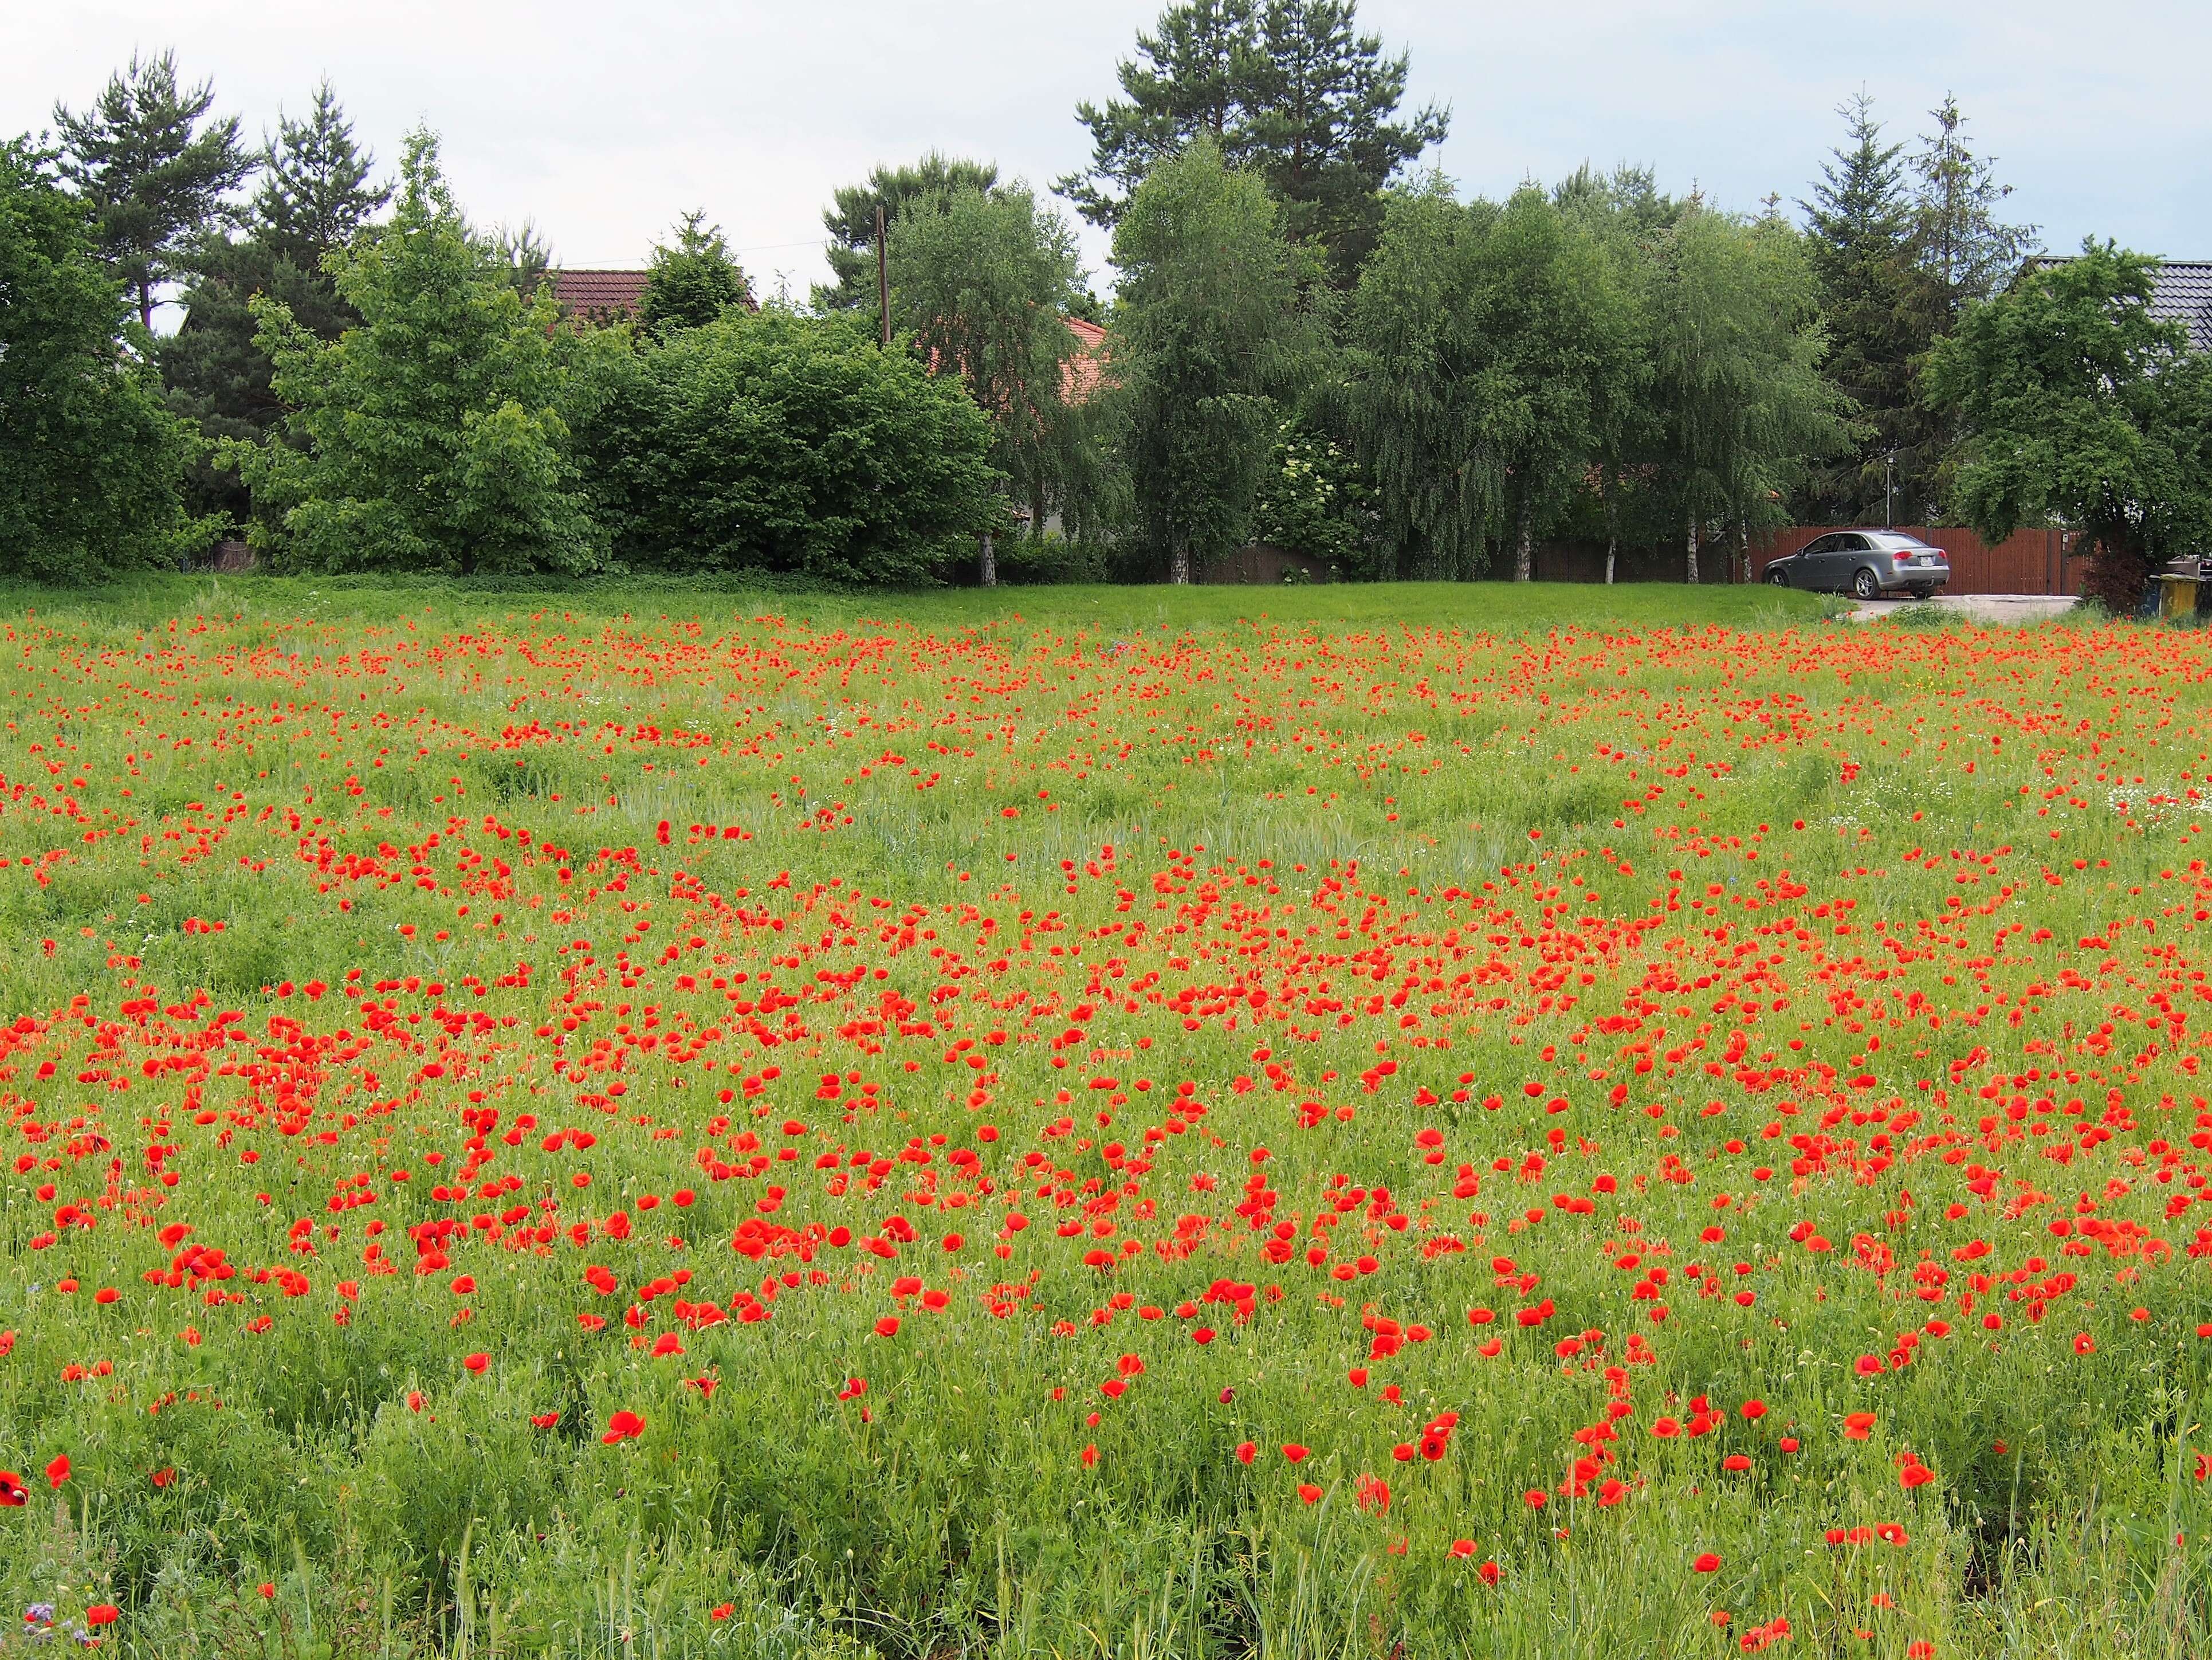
(1891, 541)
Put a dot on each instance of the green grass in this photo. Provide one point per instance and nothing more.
(1496, 607)
(1862, 958)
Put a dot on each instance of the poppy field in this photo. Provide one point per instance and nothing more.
(696, 1130)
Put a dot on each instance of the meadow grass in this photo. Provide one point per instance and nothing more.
(1394, 1121)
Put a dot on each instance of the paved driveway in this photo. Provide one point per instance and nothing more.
(2014, 608)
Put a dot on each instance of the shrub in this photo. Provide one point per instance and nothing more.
(784, 443)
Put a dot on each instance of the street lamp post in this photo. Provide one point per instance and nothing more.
(1889, 491)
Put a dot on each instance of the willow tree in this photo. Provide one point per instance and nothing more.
(1414, 405)
(1492, 351)
(1736, 350)
(1208, 331)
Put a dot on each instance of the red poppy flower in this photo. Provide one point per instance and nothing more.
(476, 1363)
(59, 1471)
(1463, 1548)
(1309, 1492)
(1706, 1563)
(1295, 1453)
(102, 1614)
(12, 1491)
(624, 1426)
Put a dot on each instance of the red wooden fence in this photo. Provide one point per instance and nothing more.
(2026, 561)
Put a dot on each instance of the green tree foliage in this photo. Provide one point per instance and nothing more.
(985, 283)
(787, 444)
(314, 193)
(155, 178)
(521, 256)
(1736, 348)
(2083, 408)
(694, 281)
(1859, 244)
(1415, 407)
(1490, 348)
(1630, 217)
(1963, 251)
(1288, 87)
(1315, 500)
(1899, 244)
(1207, 332)
(90, 460)
(850, 219)
(429, 437)
(314, 196)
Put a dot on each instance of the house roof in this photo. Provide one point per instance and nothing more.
(1079, 375)
(599, 294)
(2181, 292)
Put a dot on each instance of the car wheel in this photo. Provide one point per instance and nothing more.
(1778, 576)
(1864, 586)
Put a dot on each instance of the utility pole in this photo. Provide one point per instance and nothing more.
(883, 279)
(1888, 490)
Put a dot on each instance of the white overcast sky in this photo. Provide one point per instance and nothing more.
(602, 123)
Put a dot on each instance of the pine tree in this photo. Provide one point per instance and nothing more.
(521, 256)
(314, 196)
(1185, 81)
(850, 219)
(155, 179)
(693, 283)
(1289, 87)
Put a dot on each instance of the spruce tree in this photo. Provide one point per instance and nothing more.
(153, 177)
(314, 191)
(431, 436)
(1965, 251)
(1859, 244)
(692, 283)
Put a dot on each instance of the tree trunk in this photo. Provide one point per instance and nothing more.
(1179, 565)
(1743, 548)
(1690, 548)
(1612, 522)
(1524, 549)
(990, 561)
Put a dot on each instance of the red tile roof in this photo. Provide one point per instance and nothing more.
(1081, 374)
(598, 294)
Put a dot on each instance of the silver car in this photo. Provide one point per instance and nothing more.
(1865, 563)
